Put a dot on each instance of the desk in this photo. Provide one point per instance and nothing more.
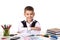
(23, 36)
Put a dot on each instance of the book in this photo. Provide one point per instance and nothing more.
(53, 31)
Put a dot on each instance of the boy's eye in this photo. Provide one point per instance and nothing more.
(27, 14)
(31, 14)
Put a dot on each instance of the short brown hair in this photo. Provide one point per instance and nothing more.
(30, 8)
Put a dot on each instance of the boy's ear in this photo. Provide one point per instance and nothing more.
(34, 13)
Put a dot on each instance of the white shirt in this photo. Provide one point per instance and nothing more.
(21, 28)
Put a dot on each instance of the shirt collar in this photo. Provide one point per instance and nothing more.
(30, 22)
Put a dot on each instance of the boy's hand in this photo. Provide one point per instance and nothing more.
(20, 31)
(35, 28)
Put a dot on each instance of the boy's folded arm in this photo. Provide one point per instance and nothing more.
(36, 28)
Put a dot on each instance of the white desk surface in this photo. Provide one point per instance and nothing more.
(25, 34)
(43, 38)
(22, 38)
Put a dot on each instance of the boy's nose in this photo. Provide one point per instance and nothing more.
(29, 15)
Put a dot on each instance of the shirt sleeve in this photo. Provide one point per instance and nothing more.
(20, 27)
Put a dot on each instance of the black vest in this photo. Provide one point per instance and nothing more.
(32, 25)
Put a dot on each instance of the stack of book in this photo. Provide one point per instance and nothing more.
(53, 31)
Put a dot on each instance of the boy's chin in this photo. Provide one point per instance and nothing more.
(30, 19)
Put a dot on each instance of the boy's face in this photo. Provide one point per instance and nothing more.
(29, 15)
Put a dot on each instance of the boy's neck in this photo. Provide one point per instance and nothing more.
(29, 21)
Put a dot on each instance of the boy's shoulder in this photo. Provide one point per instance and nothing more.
(34, 21)
(23, 21)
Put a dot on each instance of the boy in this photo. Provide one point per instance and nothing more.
(29, 23)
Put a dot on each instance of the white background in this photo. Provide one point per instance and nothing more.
(47, 12)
